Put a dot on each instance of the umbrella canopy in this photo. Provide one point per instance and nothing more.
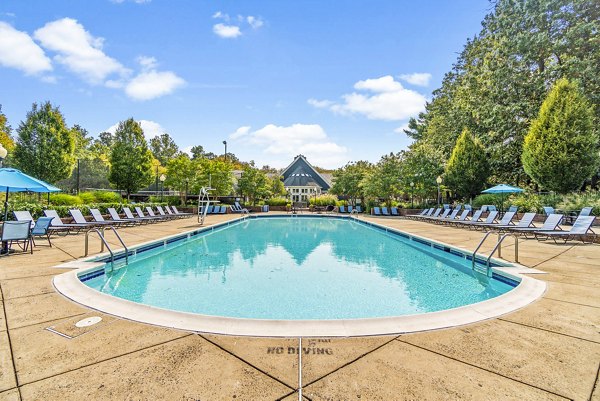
(13, 180)
(502, 189)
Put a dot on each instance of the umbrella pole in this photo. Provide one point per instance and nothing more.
(6, 205)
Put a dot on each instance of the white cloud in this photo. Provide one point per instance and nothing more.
(221, 15)
(227, 31)
(320, 104)
(240, 132)
(147, 63)
(418, 78)
(150, 128)
(18, 50)
(279, 144)
(78, 50)
(254, 22)
(152, 84)
(388, 100)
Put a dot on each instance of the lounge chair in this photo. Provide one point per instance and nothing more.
(505, 221)
(525, 222)
(449, 217)
(178, 213)
(358, 209)
(152, 214)
(384, 211)
(209, 209)
(581, 229)
(342, 209)
(161, 212)
(79, 219)
(223, 210)
(115, 217)
(98, 218)
(16, 232)
(552, 223)
(442, 216)
(24, 215)
(240, 209)
(350, 209)
(130, 216)
(490, 219)
(57, 222)
(435, 214)
(42, 228)
(586, 211)
(422, 213)
(376, 211)
(394, 211)
(463, 217)
(548, 210)
(474, 219)
(513, 209)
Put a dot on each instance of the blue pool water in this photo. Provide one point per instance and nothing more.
(299, 268)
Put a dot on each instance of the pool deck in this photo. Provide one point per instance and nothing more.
(547, 350)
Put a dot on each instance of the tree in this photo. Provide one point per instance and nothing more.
(383, 181)
(468, 168)
(348, 181)
(253, 184)
(45, 145)
(275, 184)
(163, 148)
(6, 139)
(561, 148)
(421, 165)
(130, 158)
(215, 173)
(181, 174)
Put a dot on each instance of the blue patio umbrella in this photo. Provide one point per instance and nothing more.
(13, 180)
(503, 189)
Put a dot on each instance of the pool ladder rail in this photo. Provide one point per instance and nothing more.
(103, 243)
(498, 247)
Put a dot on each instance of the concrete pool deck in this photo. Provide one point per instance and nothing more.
(547, 350)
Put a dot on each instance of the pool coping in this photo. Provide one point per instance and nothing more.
(69, 285)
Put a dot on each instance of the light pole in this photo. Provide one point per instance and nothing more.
(3, 153)
(412, 195)
(162, 185)
(225, 143)
(156, 180)
(439, 181)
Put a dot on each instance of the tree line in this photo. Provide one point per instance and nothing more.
(47, 148)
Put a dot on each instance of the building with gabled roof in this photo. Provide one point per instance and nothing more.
(302, 181)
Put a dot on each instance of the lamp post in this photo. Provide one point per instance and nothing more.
(225, 143)
(439, 181)
(412, 195)
(156, 180)
(3, 153)
(162, 185)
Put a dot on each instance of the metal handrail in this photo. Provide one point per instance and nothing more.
(498, 247)
(105, 243)
(476, 249)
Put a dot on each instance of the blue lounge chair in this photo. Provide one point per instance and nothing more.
(162, 213)
(358, 209)
(505, 221)
(115, 217)
(474, 219)
(16, 232)
(152, 214)
(422, 213)
(349, 209)
(463, 217)
(394, 211)
(581, 229)
(552, 223)
(438, 216)
(448, 217)
(384, 211)
(342, 209)
(79, 219)
(178, 213)
(42, 228)
(376, 211)
(586, 211)
(223, 209)
(144, 218)
(97, 216)
(513, 209)
(490, 219)
(58, 223)
(525, 222)
(548, 210)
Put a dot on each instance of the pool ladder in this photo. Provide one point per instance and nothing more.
(103, 243)
(498, 246)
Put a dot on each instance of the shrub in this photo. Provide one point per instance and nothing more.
(87, 197)
(323, 200)
(488, 199)
(577, 201)
(106, 197)
(276, 202)
(65, 199)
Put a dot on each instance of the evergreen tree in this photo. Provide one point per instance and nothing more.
(468, 168)
(561, 148)
(45, 145)
(163, 148)
(130, 158)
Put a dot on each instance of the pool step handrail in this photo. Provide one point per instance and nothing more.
(103, 243)
(203, 196)
(497, 247)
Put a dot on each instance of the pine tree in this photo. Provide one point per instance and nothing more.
(561, 148)
(468, 167)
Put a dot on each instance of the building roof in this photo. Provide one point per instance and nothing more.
(300, 173)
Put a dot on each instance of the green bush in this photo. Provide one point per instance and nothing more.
(87, 197)
(106, 197)
(323, 200)
(488, 199)
(65, 200)
(577, 201)
(276, 202)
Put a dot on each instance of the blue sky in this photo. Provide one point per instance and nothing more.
(333, 80)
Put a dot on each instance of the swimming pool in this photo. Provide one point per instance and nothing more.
(297, 270)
